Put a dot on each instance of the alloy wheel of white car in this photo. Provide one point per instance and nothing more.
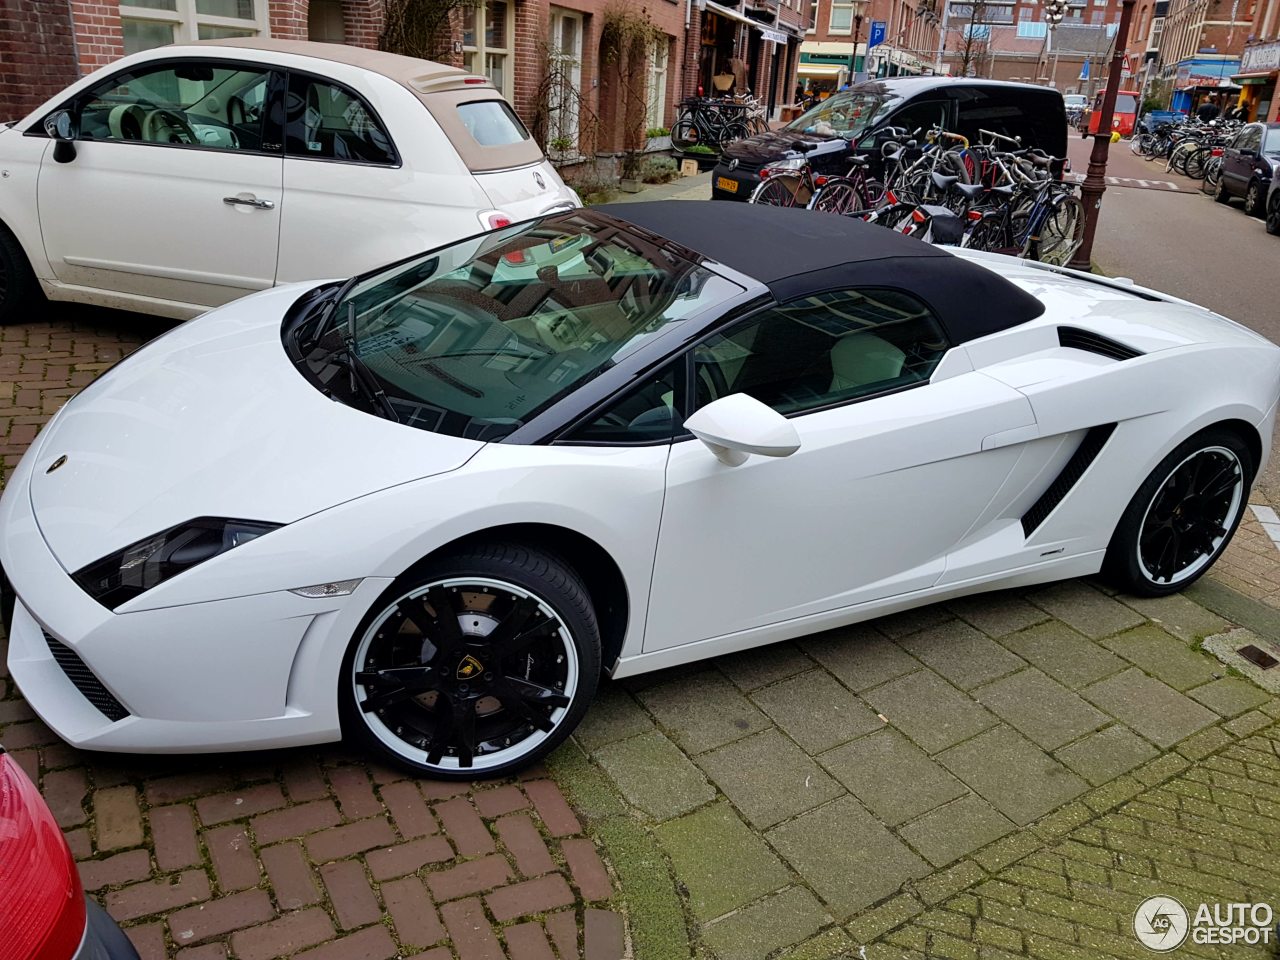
(475, 673)
(1183, 516)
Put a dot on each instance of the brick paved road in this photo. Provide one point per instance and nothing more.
(310, 853)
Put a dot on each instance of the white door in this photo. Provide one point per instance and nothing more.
(566, 75)
(889, 476)
(173, 194)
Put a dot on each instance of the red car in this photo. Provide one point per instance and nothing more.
(44, 914)
(1122, 121)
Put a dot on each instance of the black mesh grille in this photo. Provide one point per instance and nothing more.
(1085, 454)
(88, 685)
(1095, 343)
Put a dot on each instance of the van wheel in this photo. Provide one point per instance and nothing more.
(18, 286)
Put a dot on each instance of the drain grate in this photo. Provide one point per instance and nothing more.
(1258, 657)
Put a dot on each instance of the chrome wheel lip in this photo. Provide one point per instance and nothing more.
(1228, 521)
(481, 762)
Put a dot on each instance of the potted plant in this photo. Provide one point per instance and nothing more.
(657, 138)
(705, 156)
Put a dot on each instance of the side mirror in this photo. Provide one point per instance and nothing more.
(736, 426)
(61, 127)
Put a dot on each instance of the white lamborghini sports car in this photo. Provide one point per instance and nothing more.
(430, 506)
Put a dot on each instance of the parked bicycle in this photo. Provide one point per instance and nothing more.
(710, 122)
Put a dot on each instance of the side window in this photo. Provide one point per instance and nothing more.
(922, 116)
(180, 104)
(327, 121)
(820, 350)
(649, 413)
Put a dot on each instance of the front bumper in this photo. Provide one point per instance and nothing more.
(103, 940)
(257, 671)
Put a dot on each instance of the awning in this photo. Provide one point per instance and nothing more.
(730, 14)
(1255, 79)
(820, 69)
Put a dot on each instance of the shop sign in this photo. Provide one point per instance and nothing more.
(1260, 57)
(773, 36)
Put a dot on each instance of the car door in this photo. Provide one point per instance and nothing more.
(890, 474)
(175, 189)
(364, 189)
(1239, 157)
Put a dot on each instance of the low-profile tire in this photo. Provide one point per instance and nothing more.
(1273, 214)
(1254, 199)
(473, 665)
(19, 289)
(1183, 516)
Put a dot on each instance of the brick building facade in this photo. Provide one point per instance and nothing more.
(545, 57)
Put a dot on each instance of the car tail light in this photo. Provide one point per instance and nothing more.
(495, 219)
(474, 80)
(42, 909)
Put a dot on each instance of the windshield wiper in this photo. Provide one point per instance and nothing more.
(363, 381)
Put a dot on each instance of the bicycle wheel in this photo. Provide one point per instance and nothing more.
(784, 190)
(1062, 231)
(733, 130)
(1213, 171)
(991, 233)
(686, 134)
(1195, 163)
(837, 195)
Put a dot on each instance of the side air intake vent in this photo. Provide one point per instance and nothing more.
(1095, 343)
(90, 686)
(1094, 440)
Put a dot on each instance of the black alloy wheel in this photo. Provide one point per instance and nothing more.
(1183, 516)
(1273, 213)
(477, 666)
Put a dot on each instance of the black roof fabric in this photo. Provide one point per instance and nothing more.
(796, 253)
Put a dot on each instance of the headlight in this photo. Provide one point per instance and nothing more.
(137, 568)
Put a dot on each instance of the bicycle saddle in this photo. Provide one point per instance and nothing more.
(969, 190)
(1003, 190)
(942, 180)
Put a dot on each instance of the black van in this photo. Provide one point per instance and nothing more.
(962, 105)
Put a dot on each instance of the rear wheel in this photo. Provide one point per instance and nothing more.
(784, 190)
(1253, 199)
(837, 195)
(1183, 516)
(1273, 213)
(1222, 196)
(475, 665)
(685, 134)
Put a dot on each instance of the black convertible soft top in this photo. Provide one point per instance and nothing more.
(796, 253)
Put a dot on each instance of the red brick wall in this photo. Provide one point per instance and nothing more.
(97, 28)
(38, 51)
(289, 19)
(362, 22)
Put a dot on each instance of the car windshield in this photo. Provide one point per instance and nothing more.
(475, 339)
(844, 114)
(1126, 103)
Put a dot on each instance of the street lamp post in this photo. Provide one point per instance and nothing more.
(1054, 11)
(1095, 183)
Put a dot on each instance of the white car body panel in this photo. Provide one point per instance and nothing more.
(144, 227)
(889, 503)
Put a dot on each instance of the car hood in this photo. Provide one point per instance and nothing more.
(212, 419)
(767, 146)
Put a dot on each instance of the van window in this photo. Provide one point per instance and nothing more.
(922, 115)
(1037, 117)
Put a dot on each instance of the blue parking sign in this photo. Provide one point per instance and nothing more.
(878, 28)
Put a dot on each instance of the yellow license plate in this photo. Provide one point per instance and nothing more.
(727, 185)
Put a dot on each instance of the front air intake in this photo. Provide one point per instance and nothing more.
(1091, 342)
(85, 681)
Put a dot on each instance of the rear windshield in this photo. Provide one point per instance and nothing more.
(492, 123)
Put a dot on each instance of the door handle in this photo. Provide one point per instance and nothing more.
(240, 201)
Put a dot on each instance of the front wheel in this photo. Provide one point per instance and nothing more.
(1273, 214)
(1183, 516)
(475, 665)
(837, 195)
(1253, 199)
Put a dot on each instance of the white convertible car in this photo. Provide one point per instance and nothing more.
(430, 506)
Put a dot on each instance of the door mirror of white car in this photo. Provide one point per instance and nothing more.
(61, 127)
(736, 426)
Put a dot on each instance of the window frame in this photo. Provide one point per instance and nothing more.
(482, 49)
(398, 159)
(186, 21)
(273, 133)
(832, 29)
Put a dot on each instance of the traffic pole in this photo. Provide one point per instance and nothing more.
(1095, 180)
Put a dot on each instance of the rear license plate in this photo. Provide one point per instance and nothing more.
(727, 185)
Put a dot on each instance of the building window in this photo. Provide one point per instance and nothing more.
(841, 17)
(152, 23)
(656, 101)
(813, 16)
(486, 42)
(325, 23)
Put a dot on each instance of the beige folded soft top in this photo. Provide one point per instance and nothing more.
(442, 89)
